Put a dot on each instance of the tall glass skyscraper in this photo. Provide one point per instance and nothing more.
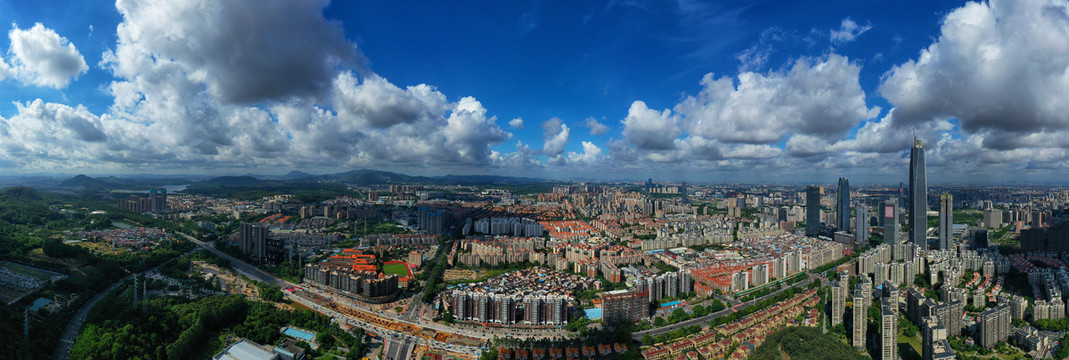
(812, 211)
(842, 205)
(918, 196)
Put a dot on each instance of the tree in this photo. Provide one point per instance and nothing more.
(1063, 348)
(659, 321)
(717, 306)
(677, 315)
(700, 310)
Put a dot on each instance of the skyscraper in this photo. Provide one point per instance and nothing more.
(842, 205)
(812, 210)
(861, 229)
(946, 221)
(889, 213)
(918, 195)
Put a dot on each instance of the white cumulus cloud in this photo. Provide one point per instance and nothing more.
(555, 134)
(243, 50)
(1000, 67)
(816, 97)
(41, 57)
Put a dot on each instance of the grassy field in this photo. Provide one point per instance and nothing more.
(400, 269)
(909, 347)
(483, 274)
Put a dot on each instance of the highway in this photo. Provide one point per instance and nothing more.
(412, 317)
(257, 274)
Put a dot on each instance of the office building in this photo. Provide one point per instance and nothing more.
(946, 221)
(812, 211)
(861, 228)
(918, 195)
(842, 205)
(994, 326)
(979, 239)
(889, 214)
(1055, 238)
(993, 218)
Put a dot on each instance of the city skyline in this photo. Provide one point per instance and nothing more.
(700, 90)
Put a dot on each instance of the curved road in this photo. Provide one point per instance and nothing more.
(70, 333)
(66, 342)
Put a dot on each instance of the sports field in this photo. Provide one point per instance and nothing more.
(396, 267)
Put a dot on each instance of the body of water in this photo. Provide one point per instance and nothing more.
(300, 334)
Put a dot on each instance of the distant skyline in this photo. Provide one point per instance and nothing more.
(756, 91)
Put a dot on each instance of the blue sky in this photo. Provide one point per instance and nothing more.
(686, 90)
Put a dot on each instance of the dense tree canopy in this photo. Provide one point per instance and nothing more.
(802, 343)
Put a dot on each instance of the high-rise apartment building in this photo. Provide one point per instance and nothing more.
(812, 210)
(842, 205)
(760, 274)
(950, 315)
(946, 221)
(888, 331)
(159, 200)
(918, 195)
(252, 239)
(838, 303)
(994, 326)
(859, 319)
(934, 340)
(740, 281)
(625, 306)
